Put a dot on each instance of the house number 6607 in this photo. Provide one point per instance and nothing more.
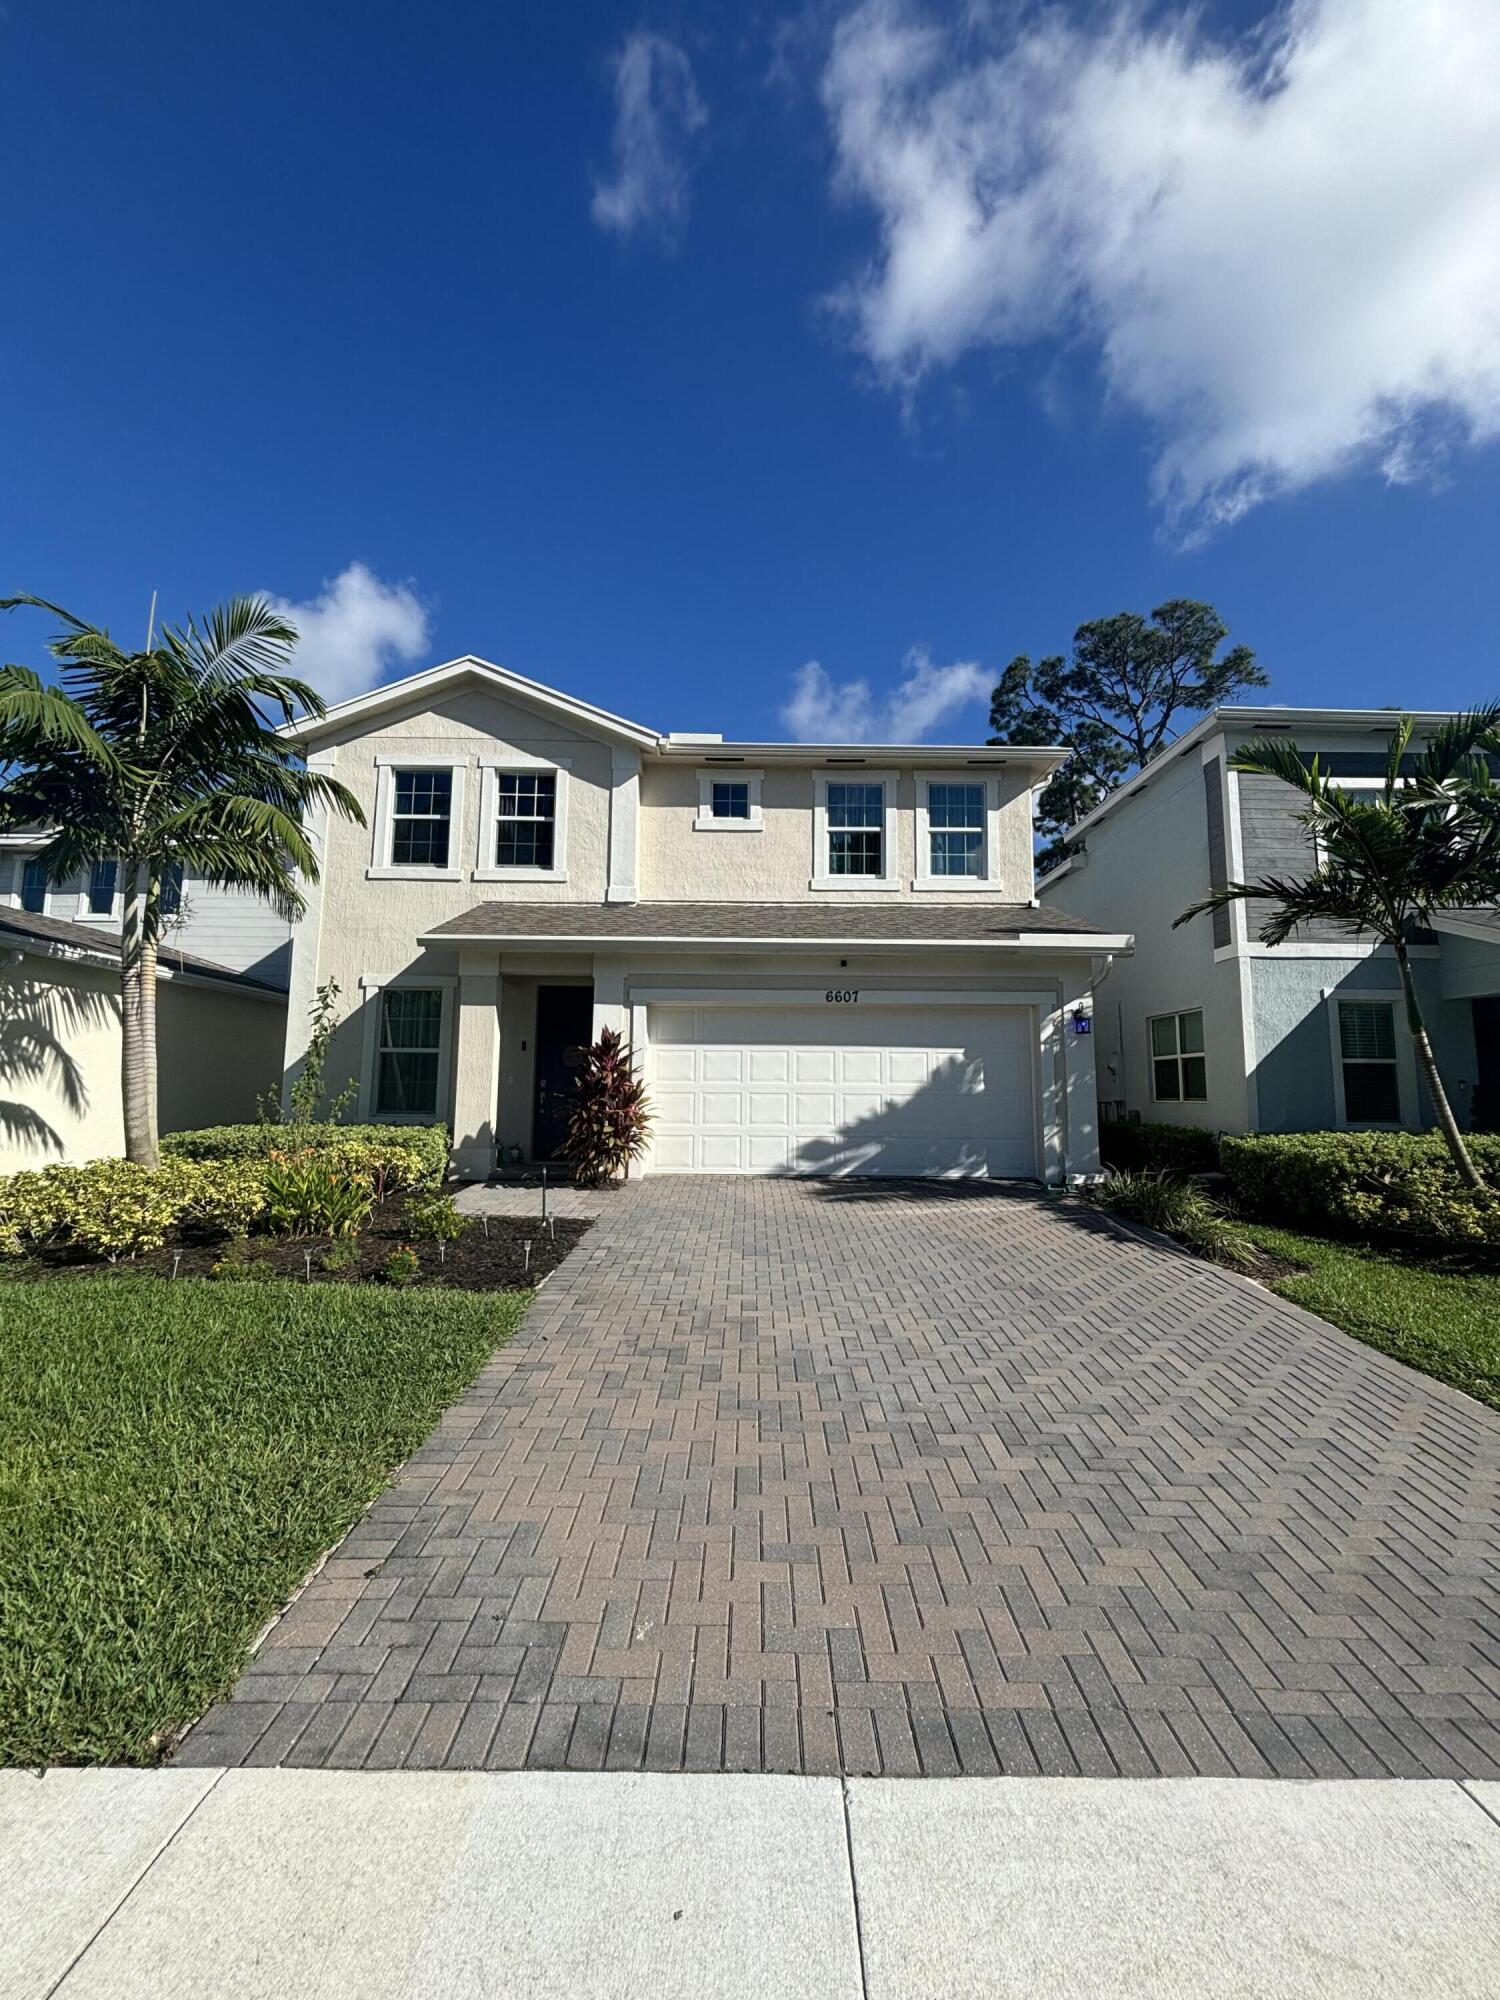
(842, 996)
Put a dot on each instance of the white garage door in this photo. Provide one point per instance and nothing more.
(931, 1090)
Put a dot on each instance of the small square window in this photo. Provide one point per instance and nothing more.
(729, 798)
(421, 818)
(411, 1024)
(1179, 1067)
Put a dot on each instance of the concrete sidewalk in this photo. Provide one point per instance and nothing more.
(441, 1886)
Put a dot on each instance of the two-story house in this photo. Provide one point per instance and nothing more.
(828, 959)
(1208, 1025)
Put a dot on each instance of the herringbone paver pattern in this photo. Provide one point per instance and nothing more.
(867, 1477)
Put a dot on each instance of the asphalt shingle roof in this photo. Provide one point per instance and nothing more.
(85, 937)
(866, 921)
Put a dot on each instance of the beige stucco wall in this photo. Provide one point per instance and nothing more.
(217, 1052)
(776, 864)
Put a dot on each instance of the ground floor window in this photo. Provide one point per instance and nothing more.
(411, 1027)
(1367, 1049)
(1179, 1066)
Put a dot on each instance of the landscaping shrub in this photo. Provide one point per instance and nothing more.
(610, 1125)
(113, 1208)
(312, 1194)
(413, 1152)
(1177, 1208)
(1399, 1184)
(1176, 1149)
(435, 1217)
(403, 1266)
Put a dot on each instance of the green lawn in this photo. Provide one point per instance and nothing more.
(174, 1458)
(1434, 1313)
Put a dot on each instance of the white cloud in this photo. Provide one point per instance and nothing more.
(355, 632)
(657, 112)
(823, 710)
(1285, 254)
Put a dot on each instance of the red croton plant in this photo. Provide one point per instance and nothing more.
(610, 1124)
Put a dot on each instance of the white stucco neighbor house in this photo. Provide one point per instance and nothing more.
(1207, 1025)
(829, 958)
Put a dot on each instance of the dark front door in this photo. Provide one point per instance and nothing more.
(564, 1028)
(1486, 1114)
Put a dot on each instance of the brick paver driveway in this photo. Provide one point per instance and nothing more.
(889, 1478)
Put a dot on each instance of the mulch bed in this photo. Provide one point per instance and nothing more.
(497, 1253)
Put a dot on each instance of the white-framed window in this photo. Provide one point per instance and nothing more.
(169, 890)
(418, 817)
(523, 820)
(1374, 1069)
(957, 831)
(728, 801)
(34, 885)
(1179, 1062)
(104, 880)
(854, 831)
(408, 1045)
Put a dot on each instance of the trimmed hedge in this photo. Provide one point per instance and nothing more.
(1170, 1149)
(254, 1142)
(1365, 1183)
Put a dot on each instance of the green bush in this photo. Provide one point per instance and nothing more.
(1177, 1208)
(435, 1217)
(312, 1194)
(402, 1267)
(1399, 1184)
(113, 1209)
(415, 1152)
(1175, 1149)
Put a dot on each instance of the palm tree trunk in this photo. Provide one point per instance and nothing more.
(1427, 1063)
(138, 1026)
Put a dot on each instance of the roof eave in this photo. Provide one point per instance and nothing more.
(1072, 943)
(469, 666)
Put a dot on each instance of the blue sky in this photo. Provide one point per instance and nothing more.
(658, 353)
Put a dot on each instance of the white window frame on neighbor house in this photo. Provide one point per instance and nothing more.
(708, 821)
(1179, 1055)
(490, 771)
(49, 887)
(854, 885)
(374, 985)
(1405, 1064)
(382, 868)
(989, 845)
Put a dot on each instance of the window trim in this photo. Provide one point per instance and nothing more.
(1175, 1015)
(989, 874)
(382, 868)
(372, 986)
(855, 885)
(1406, 1060)
(728, 774)
(490, 768)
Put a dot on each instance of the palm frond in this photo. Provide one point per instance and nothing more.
(32, 714)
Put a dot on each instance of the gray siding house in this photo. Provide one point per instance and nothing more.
(1207, 1025)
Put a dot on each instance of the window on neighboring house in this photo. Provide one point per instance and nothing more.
(34, 886)
(421, 817)
(411, 1026)
(955, 829)
(729, 798)
(1367, 1049)
(102, 878)
(169, 895)
(856, 829)
(1179, 1067)
(526, 818)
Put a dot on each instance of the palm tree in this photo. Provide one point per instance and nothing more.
(164, 759)
(1387, 861)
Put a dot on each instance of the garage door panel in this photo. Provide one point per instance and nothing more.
(890, 1090)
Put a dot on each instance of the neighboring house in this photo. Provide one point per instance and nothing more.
(828, 958)
(1208, 1026)
(233, 927)
(220, 1039)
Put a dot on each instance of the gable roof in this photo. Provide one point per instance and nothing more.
(55, 937)
(483, 673)
(866, 922)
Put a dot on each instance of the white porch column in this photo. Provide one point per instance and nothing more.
(476, 1063)
(1080, 1088)
(609, 996)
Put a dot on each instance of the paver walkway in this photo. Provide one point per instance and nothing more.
(885, 1478)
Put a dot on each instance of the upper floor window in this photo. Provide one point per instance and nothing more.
(1179, 1067)
(103, 877)
(856, 829)
(729, 802)
(169, 894)
(34, 886)
(421, 818)
(955, 829)
(525, 818)
(1367, 1053)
